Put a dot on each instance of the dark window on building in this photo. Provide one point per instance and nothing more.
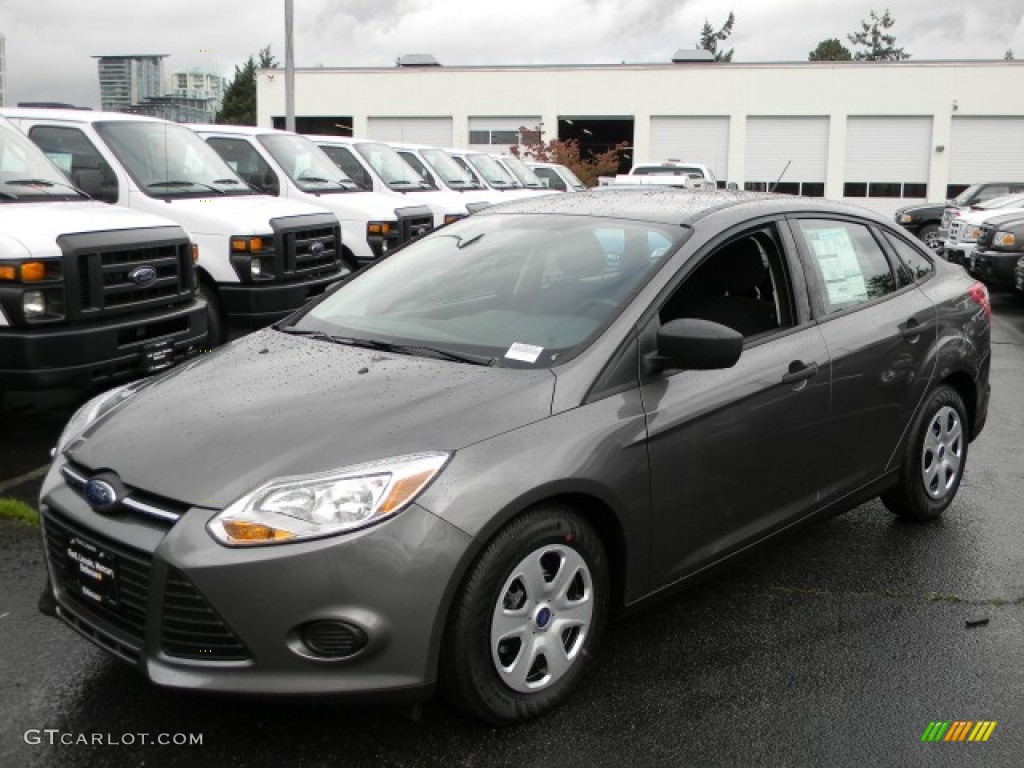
(855, 189)
(952, 190)
(338, 125)
(915, 190)
(755, 186)
(479, 137)
(787, 188)
(813, 189)
(884, 189)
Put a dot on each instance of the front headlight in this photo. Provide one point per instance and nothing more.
(312, 506)
(99, 406)
(906, 218)
(1004, 239)
(973, 233)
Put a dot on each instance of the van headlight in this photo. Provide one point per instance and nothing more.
(312, 506)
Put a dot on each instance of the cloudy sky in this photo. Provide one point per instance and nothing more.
(50, 42)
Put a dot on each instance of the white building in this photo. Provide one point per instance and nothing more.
(196, 84)
(3, 71)
(878, 133)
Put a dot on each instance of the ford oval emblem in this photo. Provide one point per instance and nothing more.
(317, 248)
(101, 495)
(142, 275)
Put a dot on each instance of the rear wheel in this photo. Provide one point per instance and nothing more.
(933, 460)
(929, 235)
(216, 328)
(529, 616)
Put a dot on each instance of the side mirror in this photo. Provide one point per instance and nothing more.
(699, 345)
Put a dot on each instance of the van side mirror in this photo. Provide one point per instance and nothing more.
(699, 345)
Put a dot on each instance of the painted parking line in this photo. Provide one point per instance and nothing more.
(16, 481)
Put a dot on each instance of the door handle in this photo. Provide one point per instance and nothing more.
(912, 329)
(799, 371)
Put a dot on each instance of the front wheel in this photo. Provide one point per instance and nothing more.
(216, 331)
(529, 616)
(929, 235)
(933, 460)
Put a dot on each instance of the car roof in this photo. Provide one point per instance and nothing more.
(668, 205)
(238, 130)
(76, 115)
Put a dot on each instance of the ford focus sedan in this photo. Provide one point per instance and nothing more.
(453, 469)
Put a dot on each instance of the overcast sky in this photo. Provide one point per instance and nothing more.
(50, 42)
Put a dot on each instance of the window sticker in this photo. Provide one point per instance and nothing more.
(840, 268)
(525, 352)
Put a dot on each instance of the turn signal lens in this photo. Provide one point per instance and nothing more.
(378, 227)
(1004, 239)
(250, 244)
(242, 531)
(8, 272)
(33, 271)
(195, 253)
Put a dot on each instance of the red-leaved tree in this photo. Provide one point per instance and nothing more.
(567, 153)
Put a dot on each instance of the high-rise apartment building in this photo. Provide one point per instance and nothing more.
(128, 80)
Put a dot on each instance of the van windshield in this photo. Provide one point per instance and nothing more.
(169, 160)
(525, 174)
(26, 173)
(309, 168)
(492, 173)
(453, 174)
(390, 166)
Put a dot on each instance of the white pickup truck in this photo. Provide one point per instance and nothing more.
(670, 173)
(260, 258)
(88, 293)
(291, 166)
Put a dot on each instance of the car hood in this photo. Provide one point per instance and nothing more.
(234, 214)
(272, 405)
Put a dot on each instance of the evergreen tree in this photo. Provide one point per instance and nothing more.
(830, 50)
(709, 38)
(239, 104)
(874, 36)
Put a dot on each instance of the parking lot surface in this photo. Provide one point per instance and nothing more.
(836, 647)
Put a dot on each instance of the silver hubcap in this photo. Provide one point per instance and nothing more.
(541, 618)
(942, 454)
(932, 240)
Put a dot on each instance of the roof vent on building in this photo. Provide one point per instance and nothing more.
(418, 60)
(684, 55)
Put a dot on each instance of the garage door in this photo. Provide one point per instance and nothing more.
(692, 139)
(496, 134)
(792, 151)
(887, 157)
(986, 149)
(435, 131)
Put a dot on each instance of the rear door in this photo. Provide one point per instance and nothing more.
(880, 330)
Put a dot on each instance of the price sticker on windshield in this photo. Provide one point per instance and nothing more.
(525, 352)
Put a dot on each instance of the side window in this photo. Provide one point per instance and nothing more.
(990, 191)
(419, 167)
(913, 265)
(551, 179)
(743, 284)
(244, 159)
(72, 152)
(347, 162)
(848, 261)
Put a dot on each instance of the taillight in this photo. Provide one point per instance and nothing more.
(979, 295)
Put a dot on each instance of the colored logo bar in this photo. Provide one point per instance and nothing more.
(958, 730)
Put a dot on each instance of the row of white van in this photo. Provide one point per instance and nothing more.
(257, 221)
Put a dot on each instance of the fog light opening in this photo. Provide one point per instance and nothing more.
(330, 639)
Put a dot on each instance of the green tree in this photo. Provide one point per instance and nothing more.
(568, 153)
(879, 42)
(709, 38)
(239, 104)
(830, 50)
(1008, 56)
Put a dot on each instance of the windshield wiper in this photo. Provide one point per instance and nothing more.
(387, 346)
(43, 183)
(182, 183)
(226, 181)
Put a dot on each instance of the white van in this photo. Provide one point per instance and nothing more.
(522, 173)
(289, 165)
(557, 176)
(260, 258)
(490, 173)
(88, 293)
(441, 170)
(377, 167)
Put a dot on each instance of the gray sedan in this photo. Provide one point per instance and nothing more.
(455, 467)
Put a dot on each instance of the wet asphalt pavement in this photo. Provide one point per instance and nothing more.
(836, 647)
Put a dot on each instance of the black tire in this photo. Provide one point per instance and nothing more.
(938, 438)
(929, 235)
(545, 537)
(216, 327)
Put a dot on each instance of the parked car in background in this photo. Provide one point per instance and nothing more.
(89, 294)
(288, 165)
(377, 167)
(557, 177)
(259, 258)
(1000, 245)
(700, 174)
(965, 229)
(973, 195)
(455, 468)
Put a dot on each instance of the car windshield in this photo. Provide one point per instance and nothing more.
(510, 288)
(419, 166)
(169, 160)
(309, 168)
(453, 174)
(390, 166)
(526, 176)
(966, 196)
(25, 172)
(492, 173)
(1001, 202)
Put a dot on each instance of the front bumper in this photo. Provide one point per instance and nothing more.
(958, 253)
(99, 353)
(392, 581)
(995, 268)
(257, 304)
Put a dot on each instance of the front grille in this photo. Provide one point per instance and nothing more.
(135, 502)
(125, 620)
(985, 240)
(413, 225)
(123, 273)
(954, 231)
(191, 629)
(306, 248)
